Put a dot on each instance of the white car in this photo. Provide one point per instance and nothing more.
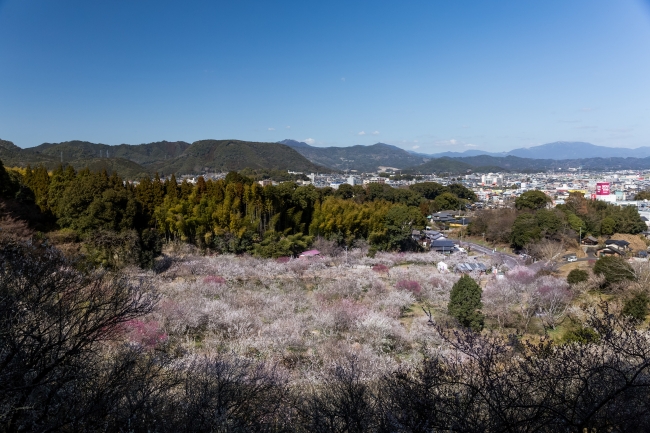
(572, 259)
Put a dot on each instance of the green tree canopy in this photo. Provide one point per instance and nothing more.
(447, 201)
(532, 200)
(524, 230)
(465, 303)
(608, 226)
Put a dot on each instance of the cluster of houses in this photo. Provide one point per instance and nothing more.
(611, 247)
(434, 240)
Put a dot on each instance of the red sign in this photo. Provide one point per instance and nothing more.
(602, 188)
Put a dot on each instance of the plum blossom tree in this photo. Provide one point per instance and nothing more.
(552, 298)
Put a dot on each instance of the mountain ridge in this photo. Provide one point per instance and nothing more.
(558, 150)
(133, 161)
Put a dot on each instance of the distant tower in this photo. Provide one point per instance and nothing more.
(61, 157)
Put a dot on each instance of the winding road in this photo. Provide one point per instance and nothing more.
(507, 259)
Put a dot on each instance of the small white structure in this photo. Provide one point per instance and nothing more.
(442, 267)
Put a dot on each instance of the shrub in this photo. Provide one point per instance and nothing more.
(614, 269)
(409, 286)
(146, 334)
(521, 275)
(577, 276)
(465, 303)
(637, 306)
(582, 334)
(380, 269)
(214, 279)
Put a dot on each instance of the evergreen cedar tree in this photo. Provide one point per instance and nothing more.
(465, 303)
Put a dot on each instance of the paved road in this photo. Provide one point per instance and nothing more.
(508, 260)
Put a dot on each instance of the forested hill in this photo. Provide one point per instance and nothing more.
(141, 153)
(232, 155)
(134, 161)
(360, 158)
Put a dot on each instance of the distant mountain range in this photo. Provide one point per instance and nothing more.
(165, 157)
(558, 150)
(359, 158)
(133, 161)
(552, 156)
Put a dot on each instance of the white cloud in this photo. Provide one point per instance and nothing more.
(452, 141)
(271, 129)
(415, 147)
(362, 133)
(288, 127)
(375, 133)
(310, 141)
(342, 78)
(471, 145)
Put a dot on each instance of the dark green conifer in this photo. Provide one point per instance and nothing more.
(465, 303)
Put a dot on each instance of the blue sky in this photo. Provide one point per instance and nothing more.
(430, 75)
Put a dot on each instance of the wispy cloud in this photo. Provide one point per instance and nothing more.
(362, 133)
(309, 141)
(587, 109)
(569, 121)
(375, 133)
(271, 129)
(415, 147)
(471, 145)
(288, 127)
(342, 78)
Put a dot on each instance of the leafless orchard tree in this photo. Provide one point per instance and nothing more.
(54, 324)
